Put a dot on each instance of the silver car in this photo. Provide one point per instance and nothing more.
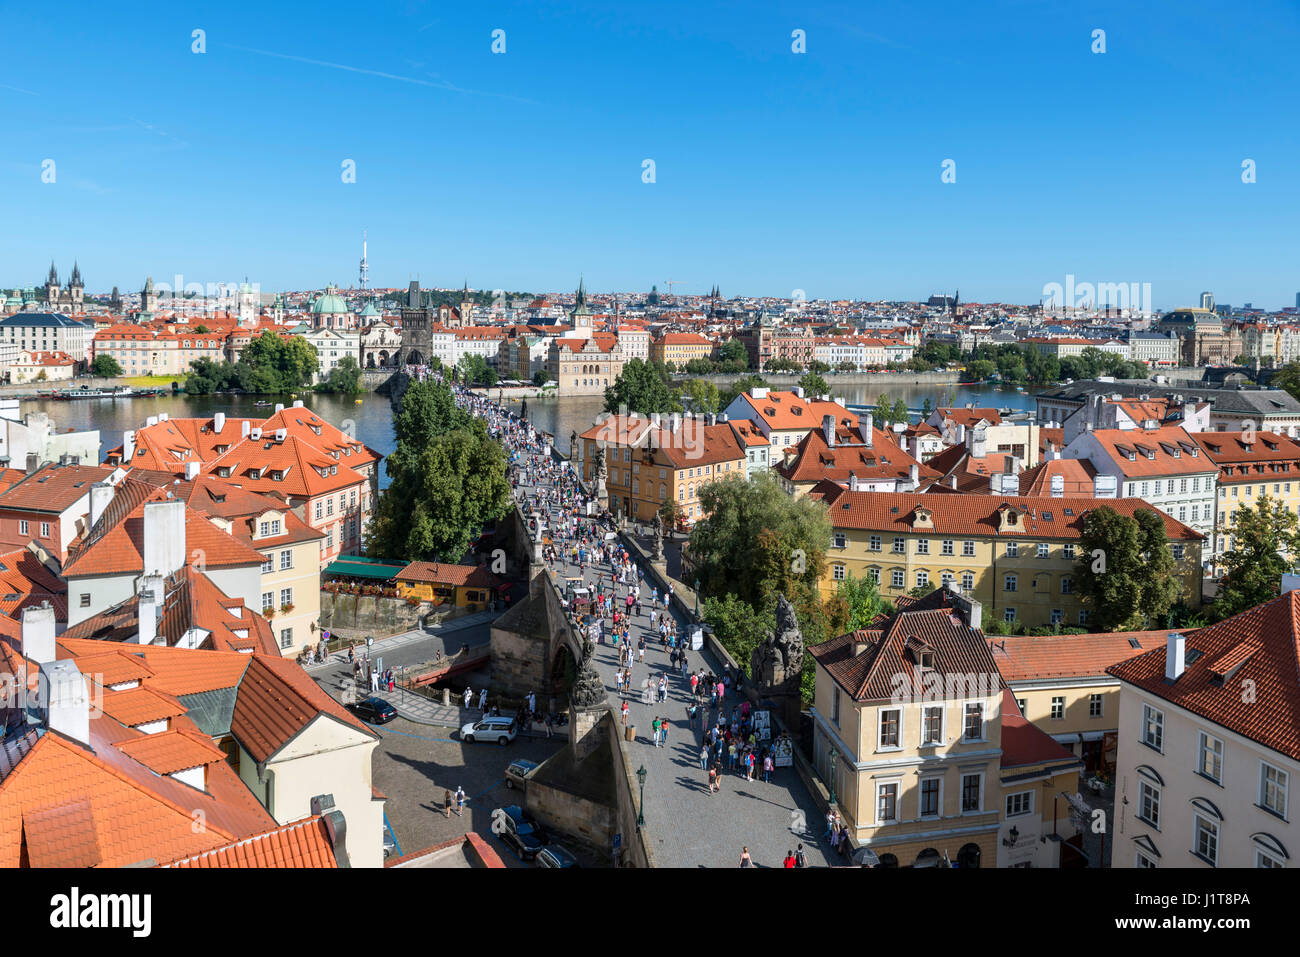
(496, 728)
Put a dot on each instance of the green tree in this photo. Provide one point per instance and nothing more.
(1125, 571)
(105, 366)
(276, 364)
(201, 329)
(889, 411)
(738, 625)
(1287, 379)
(819, 367)
(1265, 544)
(700, 394)
(643, 388)
(447, 480)
(980, 370)
(854, 605)
(541, 377)
(344, 378)
(813, 384)
(733, 350)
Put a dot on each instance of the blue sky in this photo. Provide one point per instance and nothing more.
(775, 171)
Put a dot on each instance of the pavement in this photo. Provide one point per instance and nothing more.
(689, 826)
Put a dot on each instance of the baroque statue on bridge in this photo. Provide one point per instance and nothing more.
(588, 689)
(778, 663)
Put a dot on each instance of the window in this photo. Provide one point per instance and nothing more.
(967, 581)
(268, 600)
(266, 564)
(1058, 708)
(837, 572)
(1009, 583)
(1067, 585)
(874, 543)
(886, 803)
(930, 790)
(874, 575)
(318, 510)
(890, 720)
(896, 578)
(1144, 861)
(973, 722)
(1013, 549)
(900, 546)
(22, 527)
(1207, 841)
(286, 559)
(968, 549)
(947, 547)
(1153, 728)
(1265, 859)
(1272, 789)
(922, 579)
(1042, 549)
(971, 785)
(85, 600)
(1020, 803)
(1209, 762)
(1068, 551)
(1177, 552)
(923, 546)
(1148, 805)
(835, 705)
(932, 725)
(841, 540)
(1008, 615)
(1094, 705)
(286, 637)
(45, 529)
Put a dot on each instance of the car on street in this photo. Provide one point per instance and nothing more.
(498, 728)
(554, 855)
(518, 772)
(374, 710)
(518, 833)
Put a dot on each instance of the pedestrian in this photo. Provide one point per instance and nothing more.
(549, 721)
(482, 700)
(695, 680)
(789, 860)
(618, 682)
(663, 732)
(374, 681)
(713, 779)
(767, 769)
(446, 803)
(625, 714)
(655, 726)
(460, 801)
(800, 859)
(704, 756)
(745, 859)
(469, 696)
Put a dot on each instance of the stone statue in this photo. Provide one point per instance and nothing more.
(658, 554)
(600, 473)
(588, 689)
(778, 662)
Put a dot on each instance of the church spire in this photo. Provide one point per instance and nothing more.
(53, 278)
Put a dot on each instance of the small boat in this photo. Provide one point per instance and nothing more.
(356, 401)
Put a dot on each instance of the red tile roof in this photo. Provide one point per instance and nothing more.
(1023, 744)
(1258, 650)
(1168, 450)
(304, 843)
(442, 573)
(1026, 658)
(53, 488)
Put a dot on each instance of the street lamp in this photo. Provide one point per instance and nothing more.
(640, 813)
(835, 755)
(697, 598)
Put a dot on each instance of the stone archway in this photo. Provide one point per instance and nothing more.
(383, 357)
(564, 671)
(969, 856)
(415, 358)
(370, 360)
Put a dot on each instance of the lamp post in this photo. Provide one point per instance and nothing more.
(835, 755)
(640, 813)
(697, 598)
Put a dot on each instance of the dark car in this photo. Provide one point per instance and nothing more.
(375, 711)
(554, 855)
(517, 832)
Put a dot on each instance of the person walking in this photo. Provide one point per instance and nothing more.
(800, 859)
(704, 757)
(446, 803)
(469, 696)
(713, 779)
(789, 860)
(745, 859)
(460, 801)
(625, 714)
(663, 732)
(767, 769)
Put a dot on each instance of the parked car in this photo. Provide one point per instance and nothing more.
(518, 772)
(375, 710)
(556, 856)
(498, 728)
(518, 833)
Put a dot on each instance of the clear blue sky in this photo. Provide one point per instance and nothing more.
(775, 171)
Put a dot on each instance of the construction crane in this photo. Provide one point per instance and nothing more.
(671, 282)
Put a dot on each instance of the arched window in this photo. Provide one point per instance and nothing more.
(969, 856)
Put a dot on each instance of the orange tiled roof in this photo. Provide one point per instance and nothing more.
(141, 705)
(814, 461)
(1023, 744)
(53, 488)
(170, 751)
(782, 411)
(1168, 450)
(1025, 658)
(1255, 650)
(442, 573)
(302, 843)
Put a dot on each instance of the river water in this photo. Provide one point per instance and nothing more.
(371, 420)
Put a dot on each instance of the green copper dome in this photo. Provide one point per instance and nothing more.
(329, 303)
(370, 311)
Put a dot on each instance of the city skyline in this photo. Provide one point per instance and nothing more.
(774, 170)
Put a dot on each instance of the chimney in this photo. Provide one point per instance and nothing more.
(828, 429)
(33, 462)
(1175, 656)
(244, 428)
(101, 494)
(191, 471)
(902, 442)
(150, 607)
(1058, 486)
(853, 481)
(297, 403)
(869, 430)
(151, 421)
(128, 446)
(163, 417)
(255, 434)
(995, 483)
(218, 422)
(280, 434)
(279, 407)
(914, 475)
(952, 481)
(68, 701)
(961, 433)
(335, 826)
(859, 646)
(710, 419)
(38, 633)
(164, 537)
(798, 391)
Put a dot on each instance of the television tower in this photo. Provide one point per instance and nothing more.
(365, 267)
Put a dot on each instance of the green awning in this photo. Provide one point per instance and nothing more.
(354, 566)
